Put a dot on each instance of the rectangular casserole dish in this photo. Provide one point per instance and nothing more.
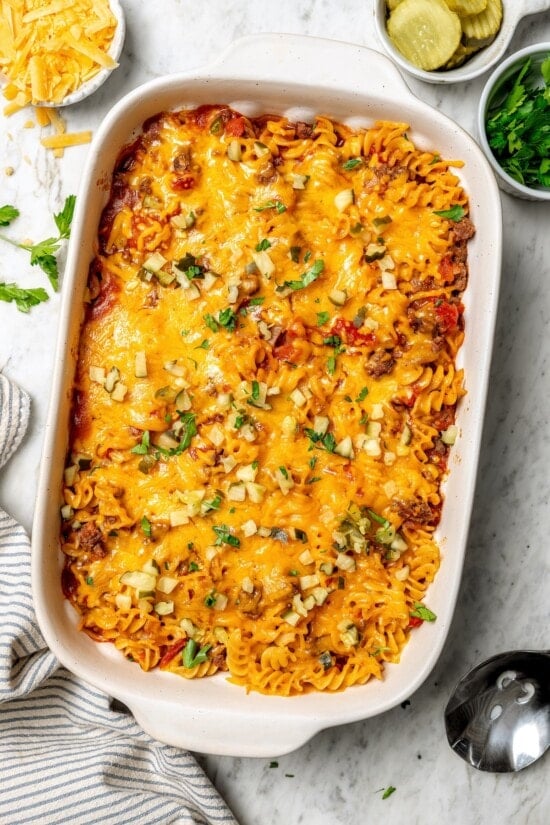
(298, 77)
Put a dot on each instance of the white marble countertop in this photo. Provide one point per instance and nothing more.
(336, 778)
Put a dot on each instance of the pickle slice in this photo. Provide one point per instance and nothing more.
(481, 29)
(467, 7)
(426, 32)
(461, 54)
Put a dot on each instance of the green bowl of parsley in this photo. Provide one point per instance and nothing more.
(514, 123)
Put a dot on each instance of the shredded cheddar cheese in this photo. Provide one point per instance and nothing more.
(48, 48)
(61, 141)
(265, 398)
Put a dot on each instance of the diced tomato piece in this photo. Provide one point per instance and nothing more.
(446, 269)
(415, 621)
(235, 126)
(447, 315)
(350, 334)
(172, 652)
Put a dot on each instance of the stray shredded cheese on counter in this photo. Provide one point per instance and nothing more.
(49, 48)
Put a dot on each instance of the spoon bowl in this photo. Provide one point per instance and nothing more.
(498, 716)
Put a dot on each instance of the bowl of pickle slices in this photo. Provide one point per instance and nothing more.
(449, 41)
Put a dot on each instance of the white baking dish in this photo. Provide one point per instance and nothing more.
(299, 77)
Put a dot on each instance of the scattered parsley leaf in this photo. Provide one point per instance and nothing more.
(146, 527)
(43, 253)
(375, 517)
(273, 764)
(224, 536)
(211, 322)
(205, 344)
(227, 319)
(455, 213)
(422, 612)
(323, 318)
(352, 163)
(143, 447)
(362, 395)
(308, 277)
(325, 440)
(191, 658)
(189, 266)
(213, 504)
(388, 791)
(8, 214)
(64, 219)
(263, 245)
(273, 204)
(89, 580)
(24, 299)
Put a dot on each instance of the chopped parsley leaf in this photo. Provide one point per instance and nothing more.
(272, 204)
(211, 322)
(227, 318)
(325, 440)
(422, 612)
(308, 277)
(192, 658)
(352, 163)
(455, 213)
(143, 447)
(224, 536)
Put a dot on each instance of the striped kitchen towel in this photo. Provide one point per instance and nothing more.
(66, 754)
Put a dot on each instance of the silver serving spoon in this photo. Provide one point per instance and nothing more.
(498, 716)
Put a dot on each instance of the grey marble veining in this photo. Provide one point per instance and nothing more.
(339, 776)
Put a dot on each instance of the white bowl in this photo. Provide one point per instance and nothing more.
(115, 49)
(298, 77)
(480, 62)
(499, 77)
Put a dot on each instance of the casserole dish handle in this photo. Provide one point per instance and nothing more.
(219, 731)
(296, 59)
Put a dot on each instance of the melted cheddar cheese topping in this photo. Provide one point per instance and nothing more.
(265, 398)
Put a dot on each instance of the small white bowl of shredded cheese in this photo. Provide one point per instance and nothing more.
(59, 52)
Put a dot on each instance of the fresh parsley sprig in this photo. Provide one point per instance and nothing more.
(24, 299)
(43, 254)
